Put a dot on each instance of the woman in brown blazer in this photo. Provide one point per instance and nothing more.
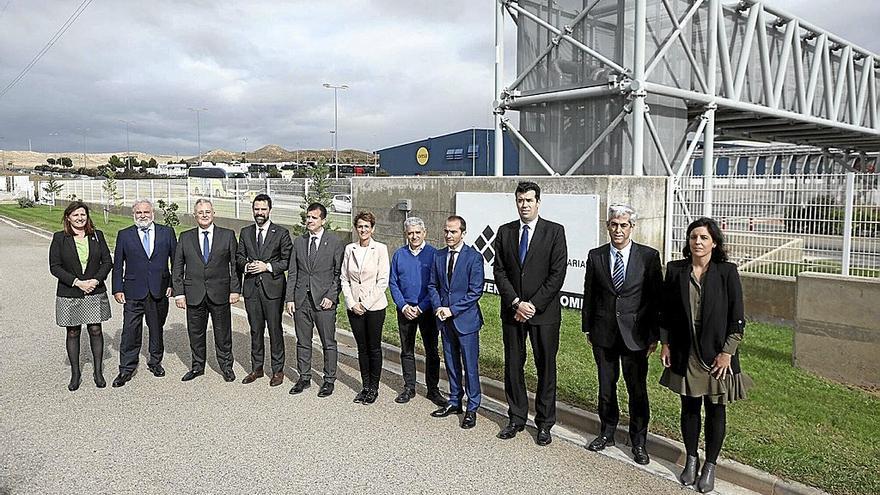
(80, 259)
(701, 327)
(364, 277)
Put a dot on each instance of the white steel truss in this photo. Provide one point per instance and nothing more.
(753, 72)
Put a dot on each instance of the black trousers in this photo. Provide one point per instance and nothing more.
(265, 313)
(367, 330)
(197, 328)
(426, 324)
(635, 375)
(545, 346)
(152, 309)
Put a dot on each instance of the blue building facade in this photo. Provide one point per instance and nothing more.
(467, 152)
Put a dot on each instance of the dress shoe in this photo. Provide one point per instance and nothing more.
(75, 380)
(192, 374)
(372, 395)
(405, 396)
(326, 390)
(600, 443)
(156, 369)
(470, 420)
(300, 385)
(100, 382)
(252, 376)
(228, 375)
(510, 431)
(437, 398)
(446, 411)
(120, 379)
(707, 478)
(359, 398)
(640, 455)
(544, 436)
(688, 475)
(277, 379)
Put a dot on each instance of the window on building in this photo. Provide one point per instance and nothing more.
(454, 153)
(473, 151)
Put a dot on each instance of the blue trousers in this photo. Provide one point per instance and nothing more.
(461, 353)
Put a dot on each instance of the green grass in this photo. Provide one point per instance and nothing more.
(818, 266)
(794, 424)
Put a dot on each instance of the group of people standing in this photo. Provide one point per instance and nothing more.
(696, 313)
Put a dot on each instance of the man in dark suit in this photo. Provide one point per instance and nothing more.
(531, 258)
(455, 288)
(622, 285)
(142, 284)
(312, 295)
(206, 282)
(263, 254)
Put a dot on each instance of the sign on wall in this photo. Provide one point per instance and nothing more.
(422, 156)
(578, 213)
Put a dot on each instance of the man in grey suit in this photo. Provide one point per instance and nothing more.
(312, 295)
(205, 283)
(263, 255)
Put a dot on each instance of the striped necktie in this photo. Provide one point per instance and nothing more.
(617, 276)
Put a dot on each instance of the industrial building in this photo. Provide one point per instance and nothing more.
(467, 152)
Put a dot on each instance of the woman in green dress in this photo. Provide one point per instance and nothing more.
(702, 325)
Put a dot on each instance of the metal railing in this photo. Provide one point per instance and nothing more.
(231, 197)
(786, 224)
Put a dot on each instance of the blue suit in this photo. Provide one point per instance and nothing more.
(143, 280)
(460, 332)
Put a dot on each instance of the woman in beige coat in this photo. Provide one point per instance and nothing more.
(364, 277)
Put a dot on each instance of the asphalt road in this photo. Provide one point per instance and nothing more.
(159, 435)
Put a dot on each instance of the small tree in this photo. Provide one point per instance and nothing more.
(115, 162)
(319, 192)
(50, 161)
(152, 163)
(113, 198)
(66, 161)
(52, 188)
(169, 213)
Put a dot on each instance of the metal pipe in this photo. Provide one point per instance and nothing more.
(692, 147)
(764, 57)
(782, 63)
(709, 131)
(847, 222)
(799, 87)
(598, 141)
(517, 102)
(499, 88)
(676, 34)
(528, 146)
(746, 52)
(640, 23)
(655, 136)
(814, 72)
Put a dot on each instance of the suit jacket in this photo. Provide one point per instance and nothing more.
(462, 297)
(64, 263)
(633, 312)
(322, 279)
(194, 278)
(366, 282)
(276, 250)
(134, 273)
(539, 279)
(721, 312)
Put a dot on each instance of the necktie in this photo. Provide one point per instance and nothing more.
(313, 250)
(450, 266)
(617, 277)
(523, 244)
(146, 240)
(260, 239)
(206, 248)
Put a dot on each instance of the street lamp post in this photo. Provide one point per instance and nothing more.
(198, 130)
(127, 142)
(245, 148)
(84, 131)
(336, 89)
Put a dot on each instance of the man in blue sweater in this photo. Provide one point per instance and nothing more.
(410, 273)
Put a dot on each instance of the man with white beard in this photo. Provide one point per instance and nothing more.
(142, 284)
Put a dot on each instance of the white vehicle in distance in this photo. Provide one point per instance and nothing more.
(341, 203)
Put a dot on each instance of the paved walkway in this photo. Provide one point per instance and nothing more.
(159, 435)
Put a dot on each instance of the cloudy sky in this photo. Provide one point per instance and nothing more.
(415, 68)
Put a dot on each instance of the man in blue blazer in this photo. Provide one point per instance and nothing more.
(455, 288)
(142, 284)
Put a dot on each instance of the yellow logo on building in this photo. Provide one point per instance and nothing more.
(422, 156)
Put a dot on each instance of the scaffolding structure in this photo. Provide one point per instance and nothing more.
(645, 86)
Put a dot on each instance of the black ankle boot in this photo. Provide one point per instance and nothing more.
(75, 379)
(689, 475)
(707, 478)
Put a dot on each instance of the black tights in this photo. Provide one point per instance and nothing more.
(716, 426)
(96, 341)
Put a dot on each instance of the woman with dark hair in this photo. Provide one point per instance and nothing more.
(701, 327)
(364, 277)
(80, 259)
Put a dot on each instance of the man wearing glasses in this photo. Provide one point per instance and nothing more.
(622, 284)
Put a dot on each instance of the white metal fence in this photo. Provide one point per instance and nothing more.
(785, 224)
(231, 197)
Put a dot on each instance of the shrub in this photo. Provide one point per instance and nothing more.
(25, 202)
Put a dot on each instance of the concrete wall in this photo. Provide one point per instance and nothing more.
(433, 199)
(838, 327)
(769, 297)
